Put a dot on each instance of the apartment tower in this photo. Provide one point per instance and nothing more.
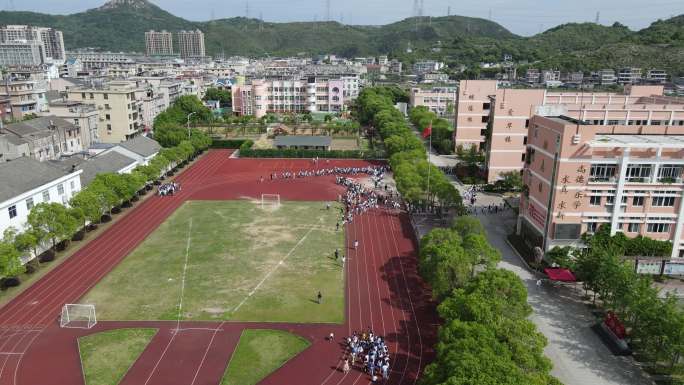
(191, 44)
(159, 43)
(51, 39)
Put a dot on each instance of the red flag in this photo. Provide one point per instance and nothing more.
(427, 131)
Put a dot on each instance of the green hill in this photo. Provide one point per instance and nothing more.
(119, 25)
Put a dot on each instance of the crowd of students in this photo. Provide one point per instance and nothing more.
(358, 199)
(168, 189)
(371, 352)
(376, 173)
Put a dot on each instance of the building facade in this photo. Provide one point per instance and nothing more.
(42, 139)
(27, 96)
(50, 39)
(191, 44)
(281, 96)
(119, 109)
(22, 52)
(440, 100)
(496, 120)
(579, 176)
(82, 115)
(159, 43)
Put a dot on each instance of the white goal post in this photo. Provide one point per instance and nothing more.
(270, 200)
(78, 316)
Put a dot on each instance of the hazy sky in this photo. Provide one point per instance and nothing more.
(525, 17)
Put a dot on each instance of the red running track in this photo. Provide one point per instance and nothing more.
(383, 292)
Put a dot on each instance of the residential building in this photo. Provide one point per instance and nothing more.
(260, 97)
(22, 52)
(440, 100)
(191, 44)
(550, 76)
(426, 66)
(607, 77)
(92, 60)
(579, 176)
(27, 96)
(629, 76)
(496, 119)
(433, 77)
(656, 76)
(43, 138)
(158, 43)
(120, 109)
(28, 182)
(83, 115)
(50, 39)
(533, 76)
(153, 104)
(395, 67)
(141, 149)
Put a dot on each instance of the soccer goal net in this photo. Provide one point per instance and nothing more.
(78, 316)
(270, 201)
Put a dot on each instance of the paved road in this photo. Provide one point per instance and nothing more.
(579, 356)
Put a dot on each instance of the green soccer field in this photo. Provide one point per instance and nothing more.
(244, 263)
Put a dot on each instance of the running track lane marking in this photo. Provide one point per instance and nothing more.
(272, 271)
(185, 270)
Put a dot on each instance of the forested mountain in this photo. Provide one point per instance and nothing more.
(119, 25)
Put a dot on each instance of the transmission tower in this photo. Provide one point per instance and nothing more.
(247, 9)
(598, 17)
(327, 10)
(416, 8)
(261, 21)
(449, 11)
(422, 8)
(490, 14)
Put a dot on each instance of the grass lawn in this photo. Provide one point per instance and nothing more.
(234, 248)
(107, 356)
(259, 353)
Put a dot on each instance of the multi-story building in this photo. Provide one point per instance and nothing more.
(22, 52)
(395, 67)
(92, 60)
(496, 119)
(26, 183)
(159, 43)
(282, 96)
(655, 76)
(426, 66)
(153, 104)
(27, 96)
(51, 40)
(579, 176)
(440, 100)
(191, 44)
(629, 76)
(82, 115)
(606, 77)
(44, 138)
(120, 110)
(533, 76)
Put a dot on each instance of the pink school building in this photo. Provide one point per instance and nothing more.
(580, 175)
(497, 119)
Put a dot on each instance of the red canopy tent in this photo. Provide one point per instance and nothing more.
(562, 275)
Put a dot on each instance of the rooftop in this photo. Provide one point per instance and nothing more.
(303, 140)
(141, 145)
(638, 141)
(25, 174)
(107, 162)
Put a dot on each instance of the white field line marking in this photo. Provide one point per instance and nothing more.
(273, 270)
(185, 269)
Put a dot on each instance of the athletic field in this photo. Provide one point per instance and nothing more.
(231, 260)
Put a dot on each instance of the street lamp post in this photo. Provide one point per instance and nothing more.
(189, 115)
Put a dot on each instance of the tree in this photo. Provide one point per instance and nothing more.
(511, 181)
(10, 260)
(467, 225)
(53, 220)
(223, 96)
(87, 201)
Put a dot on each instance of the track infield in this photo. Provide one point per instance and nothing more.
(231, 260)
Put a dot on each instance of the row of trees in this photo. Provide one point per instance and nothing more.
(419, 182)
(486, 337)
(442, 131)
(655, 324)
(170, 125)
(53, 224)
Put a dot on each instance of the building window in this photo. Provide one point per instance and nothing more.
(595, 200)
(633, 227)
(592, 227)
(46, 196)
(637, 201)
(109, 128)
(105, 96)
(670, 172)
(109, 117)
(72, 184)
(60, 189)
(486, 106)
(12, 210)
(610, 200)
(663, 201)
(638, 172)
(29, 204)
(602, 172)
(658, 227)
(485, 119)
